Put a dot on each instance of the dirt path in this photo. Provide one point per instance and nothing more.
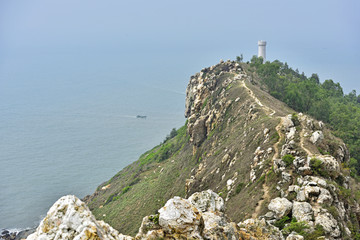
(252, 95)
(271, 112)
(265, 196)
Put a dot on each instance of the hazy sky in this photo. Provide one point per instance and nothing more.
(321, 36)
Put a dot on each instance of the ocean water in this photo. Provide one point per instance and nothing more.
(68, 123)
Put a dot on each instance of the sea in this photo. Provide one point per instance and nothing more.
(68, 123)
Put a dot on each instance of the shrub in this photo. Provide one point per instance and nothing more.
(295, 119)
(281, 222)
(317, 166)
(288, 159)
(318, 232)
(154, 218)
(239, 187)
(296, 226)
(125, 189)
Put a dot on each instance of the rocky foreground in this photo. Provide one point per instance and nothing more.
(201, 216)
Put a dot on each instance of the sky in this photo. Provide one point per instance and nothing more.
(320, 36)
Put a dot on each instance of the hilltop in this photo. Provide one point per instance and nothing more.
(274, 172)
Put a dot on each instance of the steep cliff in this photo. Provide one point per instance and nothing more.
(283, 171)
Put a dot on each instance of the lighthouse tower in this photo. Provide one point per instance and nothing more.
(262, 49)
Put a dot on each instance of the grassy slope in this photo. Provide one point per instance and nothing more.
(140, 189)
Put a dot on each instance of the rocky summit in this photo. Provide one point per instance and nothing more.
(244, 166)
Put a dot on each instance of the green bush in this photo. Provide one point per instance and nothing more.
(154, 218)
(317, 166)
(318, 232)
(125, 189)
(296, 226)
(288, 159)
(295, 119)
(239, 187)
(281, 222)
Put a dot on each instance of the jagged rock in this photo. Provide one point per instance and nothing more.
(291, 133)
(287, 123)
(317, 137)
(216, 227)
(328, 222)
(293, 188)
(286, 176)
(261, 228)
(181, 217)
(330, 164)
(199, 131)
(319, 181)
(280, 206)
(207, 201)
(325, 197)
(302, 211)
(149, 228)
(69, 218)
(299, 162)
(342, 154)
(294, 236)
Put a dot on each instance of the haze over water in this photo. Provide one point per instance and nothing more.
(67, 124)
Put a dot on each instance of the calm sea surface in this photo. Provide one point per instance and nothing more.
(67, 124)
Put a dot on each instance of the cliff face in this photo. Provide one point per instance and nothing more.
(281, 170)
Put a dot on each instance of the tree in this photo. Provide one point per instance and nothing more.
(239, 58)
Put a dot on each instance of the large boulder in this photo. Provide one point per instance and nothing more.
(317, 137)
(199, 131)
(207, 201)
(280, 206)
(69, 218)
(302, 211)
(328, 222)
(330, 164)
(179, 216)
(259, 229)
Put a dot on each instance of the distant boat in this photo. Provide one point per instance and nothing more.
(140, 116)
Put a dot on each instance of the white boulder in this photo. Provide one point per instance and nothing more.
(207, 201)
(317, 137)
(280, 206)
(302, 211)
(69, 218)
(180, 216)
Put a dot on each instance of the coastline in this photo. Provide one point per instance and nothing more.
(15, 233)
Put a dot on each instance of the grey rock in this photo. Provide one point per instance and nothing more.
(317, 137)
(302, 211)
(280, 206)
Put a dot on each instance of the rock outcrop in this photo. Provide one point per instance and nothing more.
(199, 217)
(69, 218)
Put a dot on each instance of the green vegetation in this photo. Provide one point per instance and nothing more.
(154, 218)
(288, 159)
(295, 119)
(239, 187)
(166, 149)
(289, 225)
(325, 101)
(294, 225)
(318, 232)
(317, 166)
(281, 222)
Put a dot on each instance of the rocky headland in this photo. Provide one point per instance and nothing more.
(244, 166)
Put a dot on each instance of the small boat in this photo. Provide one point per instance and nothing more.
(140, 116)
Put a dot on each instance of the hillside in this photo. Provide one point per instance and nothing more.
(263, 158)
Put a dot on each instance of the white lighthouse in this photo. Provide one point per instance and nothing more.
(262, 49)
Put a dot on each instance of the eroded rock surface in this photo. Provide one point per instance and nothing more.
(69, 218)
